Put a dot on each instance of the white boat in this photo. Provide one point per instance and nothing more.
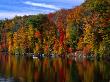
(34, 57)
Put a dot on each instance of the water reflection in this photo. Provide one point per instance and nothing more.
(21, 69)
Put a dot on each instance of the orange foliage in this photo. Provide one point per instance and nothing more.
(46, 48)
(37, 34)
(87, 49)
(37, 47)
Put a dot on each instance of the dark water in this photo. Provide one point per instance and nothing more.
(21, 69)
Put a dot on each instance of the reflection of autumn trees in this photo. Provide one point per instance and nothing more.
(56, 70)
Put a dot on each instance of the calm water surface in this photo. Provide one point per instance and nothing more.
(21, 69)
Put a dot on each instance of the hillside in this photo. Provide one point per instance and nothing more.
(84, 28)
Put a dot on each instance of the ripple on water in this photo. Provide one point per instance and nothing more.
(3, 79)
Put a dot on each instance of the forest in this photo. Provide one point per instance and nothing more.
(83, 28)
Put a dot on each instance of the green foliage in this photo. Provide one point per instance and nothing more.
(37, 21)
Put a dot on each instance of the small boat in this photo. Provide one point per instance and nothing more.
(34, 57)
(51, 55)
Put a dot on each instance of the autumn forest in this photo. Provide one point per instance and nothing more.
(84, 28)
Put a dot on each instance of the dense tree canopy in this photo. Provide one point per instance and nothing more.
(85, 28)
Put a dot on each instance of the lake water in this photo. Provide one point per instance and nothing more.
(22, 69)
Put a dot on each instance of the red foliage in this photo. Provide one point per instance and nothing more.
(70, 50)
(61, 38)
(37, 34)
(50, 16)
